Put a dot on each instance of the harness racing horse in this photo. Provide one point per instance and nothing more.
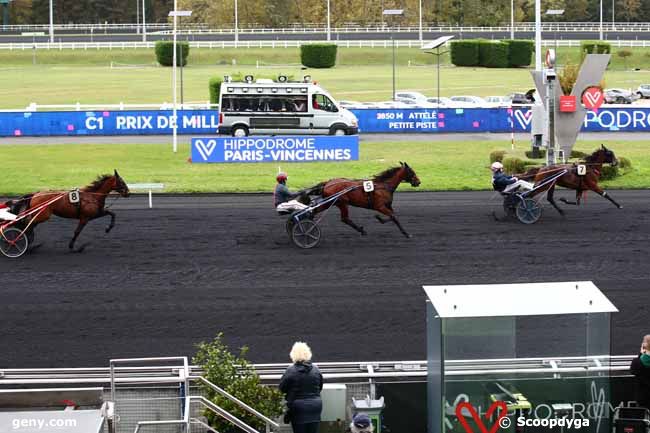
(572, 180)
(380, 200)
(90, 206)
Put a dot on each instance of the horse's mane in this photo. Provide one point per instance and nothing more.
(97, 183)
(591, 158)
(386, 174)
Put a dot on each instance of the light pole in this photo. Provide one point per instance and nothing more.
(435, 45)
(538, 35)
(393, 13)
(512, 19)
(236, 25)
(601, 20)
(51, 22)
(144, 23)
(420, 31)
(329, 28)
(137, 17)
(175, 13)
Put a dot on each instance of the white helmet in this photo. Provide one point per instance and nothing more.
(496, 166)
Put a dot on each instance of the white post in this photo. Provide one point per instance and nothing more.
(329, 26)
(150, 200)
(420, 32)
(144, 23)
(51, 22)
(174, 118)
(236, 25)
(538, 35)
(613, 15)
(512, 19)
(601, 20)
(137, 17)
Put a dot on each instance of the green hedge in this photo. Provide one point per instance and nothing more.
(165, 52)
(214, 86)
(496, 55)
(497, 156)
(464, 53)
(595, 47)
(520, 52)
(318, 55)
(483, 52)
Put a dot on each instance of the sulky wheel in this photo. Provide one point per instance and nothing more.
(305, 234)
(529, 211)
(13, 243)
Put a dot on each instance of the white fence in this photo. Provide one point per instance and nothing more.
(21, 46)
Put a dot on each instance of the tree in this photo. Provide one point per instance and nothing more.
(235, 375)
(628, 10)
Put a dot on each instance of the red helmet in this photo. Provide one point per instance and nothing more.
(281, 177)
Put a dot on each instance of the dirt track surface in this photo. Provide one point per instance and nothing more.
(167, 278)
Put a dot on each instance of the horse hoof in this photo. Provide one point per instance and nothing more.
(408, 236)
(620, 207)
(363, 232)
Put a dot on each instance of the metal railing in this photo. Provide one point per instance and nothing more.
(34, 107)
(21, 46)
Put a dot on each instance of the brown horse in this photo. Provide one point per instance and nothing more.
(380, 200)
(91, 205)
(572, 180)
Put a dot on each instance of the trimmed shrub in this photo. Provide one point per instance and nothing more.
(214, 87)
(541, 153)
(609, 172)
(318, 55)
(165, 52)
(464, 53)
(514, 165)
(520, 52)
(595, 47)
(497, 155)
(576, 154)
(624, 163)
(483, 51)
(497, 55)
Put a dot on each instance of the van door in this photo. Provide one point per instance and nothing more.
(325, 113)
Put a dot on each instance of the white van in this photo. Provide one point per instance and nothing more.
(281, 107)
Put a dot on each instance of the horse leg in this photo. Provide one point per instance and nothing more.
(603, 193)
(382, 220)
(112, 223)
(77, 232)
(391, 215)
(345, 217)
(551, 199)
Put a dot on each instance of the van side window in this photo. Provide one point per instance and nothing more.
(322, 102)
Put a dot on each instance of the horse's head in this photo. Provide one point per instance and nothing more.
(120, 186)
(603, 156)
(409, 175)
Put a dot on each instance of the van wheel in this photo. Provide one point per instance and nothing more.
(240, 131)
(337, 130)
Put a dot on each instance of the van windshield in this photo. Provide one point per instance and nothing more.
(322, 102)
(264, 103)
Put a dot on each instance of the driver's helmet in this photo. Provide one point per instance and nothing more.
(496, 166)
(281, 177)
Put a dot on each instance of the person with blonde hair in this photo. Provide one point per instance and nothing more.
(302, 384)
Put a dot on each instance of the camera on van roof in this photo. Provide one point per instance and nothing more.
(249, 78)
(282, 79)
(306, 79)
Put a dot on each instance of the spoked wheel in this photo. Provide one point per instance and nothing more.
(13, 243)
(529, 211)
(305, 234)
(289, 226)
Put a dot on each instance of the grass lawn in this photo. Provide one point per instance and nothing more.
(441, 165)
(363, 74)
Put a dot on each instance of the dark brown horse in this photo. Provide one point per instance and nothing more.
(380, 200)
(91, 205)
(572, 180)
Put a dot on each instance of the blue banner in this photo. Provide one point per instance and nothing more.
(281, 148)
(205, 122)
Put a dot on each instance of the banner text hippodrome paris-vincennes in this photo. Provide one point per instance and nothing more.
(202, 122)
(281, 148)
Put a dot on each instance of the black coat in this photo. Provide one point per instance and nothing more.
(642, 376)
(302, 384)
